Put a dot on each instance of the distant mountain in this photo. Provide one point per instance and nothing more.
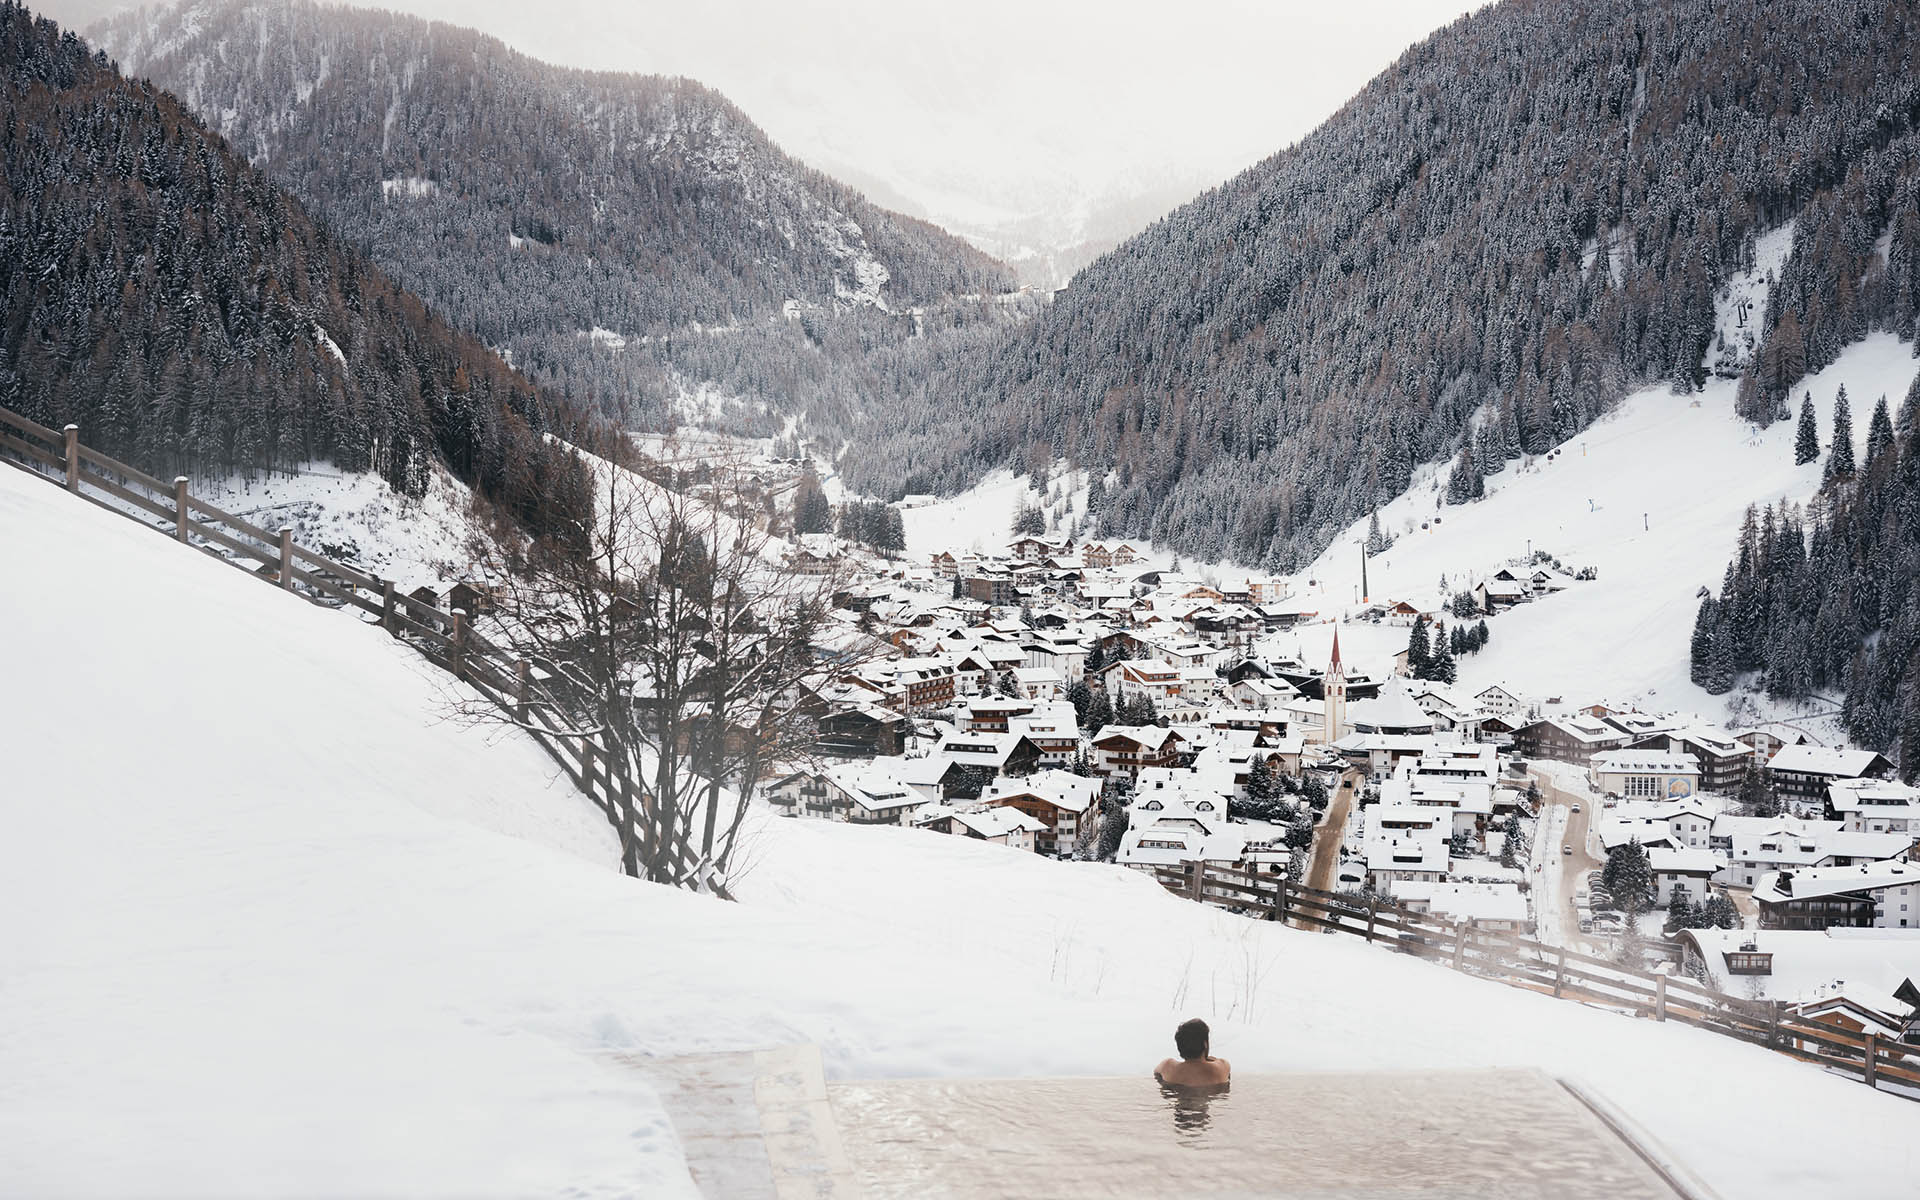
(632, 240)
(191, 317)
(1525, 217)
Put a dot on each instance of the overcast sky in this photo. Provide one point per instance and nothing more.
(973, 112)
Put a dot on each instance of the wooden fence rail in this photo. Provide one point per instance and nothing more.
(1527, 963)
(443, 638)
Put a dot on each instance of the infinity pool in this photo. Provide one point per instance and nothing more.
(1487, 1135)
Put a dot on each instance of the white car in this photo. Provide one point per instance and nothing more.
(1576, 808)
(1566, 849)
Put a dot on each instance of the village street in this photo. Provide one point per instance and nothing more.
(1556, 875)
(1331, 833)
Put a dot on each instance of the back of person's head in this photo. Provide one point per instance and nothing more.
(1191, 1039)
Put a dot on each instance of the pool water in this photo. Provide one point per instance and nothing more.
(1480, 1134)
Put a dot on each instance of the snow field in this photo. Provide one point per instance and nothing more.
(1652, 495)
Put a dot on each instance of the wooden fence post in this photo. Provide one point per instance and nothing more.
(286, 557)
(1660, 992)
(1283, 900)
(1560, 972)
(1459, 943)
(459, 643)
(522, 676)
(180, 507)
(1373, 911)
(73, 457)
(1871, 1077)
(1773, 1026)
(387, 612)
(1196, 877)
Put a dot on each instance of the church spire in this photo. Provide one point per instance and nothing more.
(1335, 664)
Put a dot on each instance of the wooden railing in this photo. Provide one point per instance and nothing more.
(1550, 970)
(447, 639)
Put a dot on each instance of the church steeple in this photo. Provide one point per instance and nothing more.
(1333, 688)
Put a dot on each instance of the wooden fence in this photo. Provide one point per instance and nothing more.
(1551, 970)
(446, 639)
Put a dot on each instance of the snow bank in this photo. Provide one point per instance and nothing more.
(274, 926)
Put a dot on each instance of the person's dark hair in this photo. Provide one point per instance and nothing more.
(1191, 1039)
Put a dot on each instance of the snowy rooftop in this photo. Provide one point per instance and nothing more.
(1779, 886)
(1645, 762)
(1824, 760)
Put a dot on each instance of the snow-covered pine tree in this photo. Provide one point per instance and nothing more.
(1418, 650)
(1806, 438)
(1879, 432)
(1445, 668)
(1700, 653)
(1840, 454)
(1628, 877)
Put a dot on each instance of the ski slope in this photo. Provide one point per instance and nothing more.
(1652, 496)
(274, 925)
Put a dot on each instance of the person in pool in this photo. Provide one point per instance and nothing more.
(1195, 1067)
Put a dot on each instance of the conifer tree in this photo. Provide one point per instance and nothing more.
(1806, 441)
(1840, 454)
(1701, 651)
(1879, 432)
(1417, 649)
(1442, 668)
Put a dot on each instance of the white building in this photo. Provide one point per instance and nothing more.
(1645, 774)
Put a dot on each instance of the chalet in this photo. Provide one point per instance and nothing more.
(1054, 728)
(862, 732)
(1872, 895)
(1874, 806)
(1125, 749)
(924, 684)
(1567, 739)
(1033, 549)
(1142, 678)
(1801, 967)
(1001, 826)
(992, 714)
(945, 564)
(1766, 743)
(1681, 872)
(1722, 760)
(993, 587)
(1804, 773)
(1752, 856)
(1039, 683)
(1059, 801)
(1498, 700)
(1497, 594)
(996, 753)
(1395, 857)
(1494, 907)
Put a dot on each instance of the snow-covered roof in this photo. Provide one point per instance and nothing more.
(1476, 901)
(1393, 711)
(1872, 797)
(1645, 762)
(1779, 886)
(1839, 761)
(1683, 861)
(1807, 963)
(998, 822)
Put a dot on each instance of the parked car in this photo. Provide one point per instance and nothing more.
(1566, 849)
(1586, 924)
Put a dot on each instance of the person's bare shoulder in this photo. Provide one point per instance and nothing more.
(1226, 1068)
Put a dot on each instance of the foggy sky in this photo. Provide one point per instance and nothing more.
(983, 112)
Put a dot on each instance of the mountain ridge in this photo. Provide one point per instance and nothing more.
(537, 205)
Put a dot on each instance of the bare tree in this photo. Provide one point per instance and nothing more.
(683, 642)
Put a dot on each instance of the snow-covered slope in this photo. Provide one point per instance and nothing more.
(272, 925)
(1652, 496)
